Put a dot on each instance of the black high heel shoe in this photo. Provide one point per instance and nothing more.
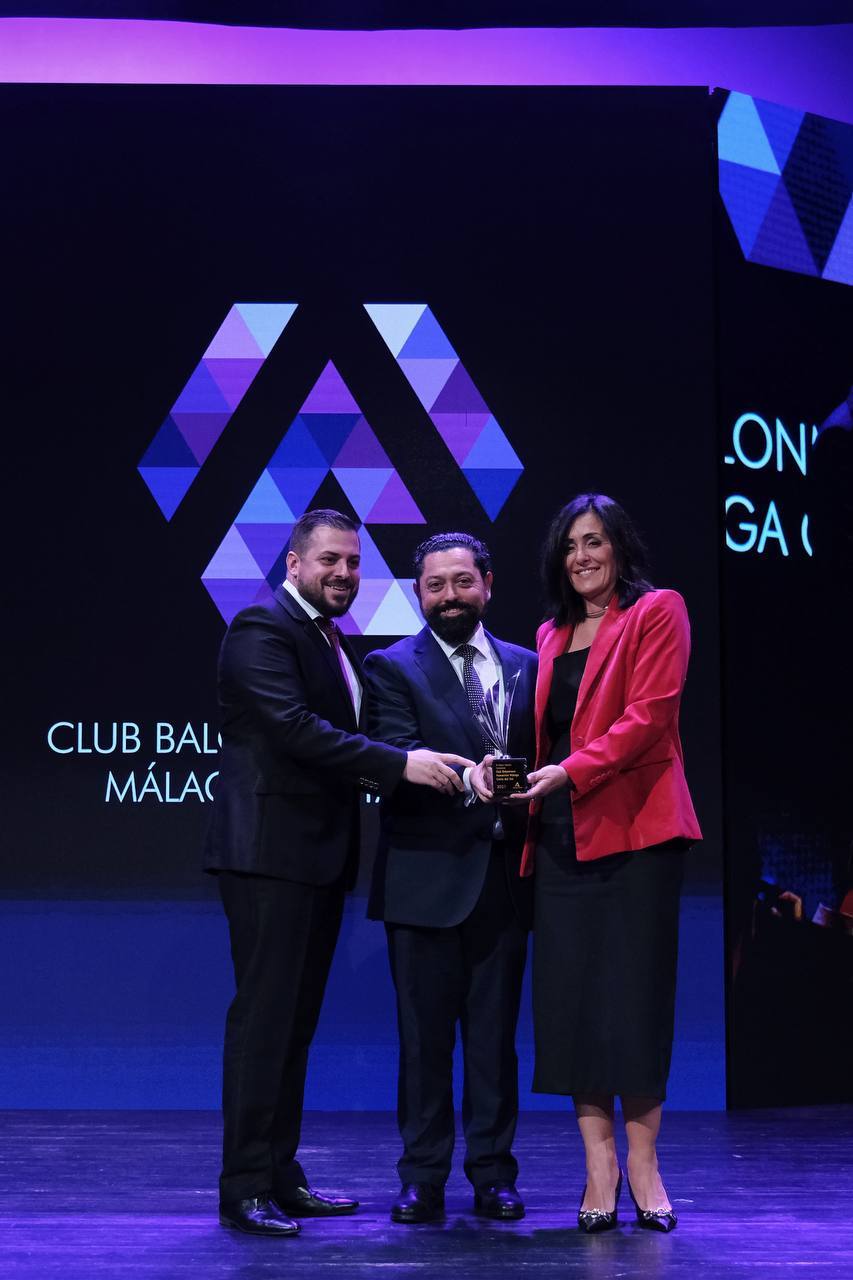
(594, 1220)
(654, 1219)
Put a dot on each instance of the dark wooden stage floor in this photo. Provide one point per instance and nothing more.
(112, 1194)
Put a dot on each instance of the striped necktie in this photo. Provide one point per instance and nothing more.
(473, 688)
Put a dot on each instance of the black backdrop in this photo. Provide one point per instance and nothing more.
(553, 233)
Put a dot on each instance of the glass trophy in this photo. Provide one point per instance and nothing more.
(509, 772)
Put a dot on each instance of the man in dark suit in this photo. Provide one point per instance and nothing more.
(284, 842)
(446, 884)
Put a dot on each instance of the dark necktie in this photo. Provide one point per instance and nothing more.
(330, 630)
(473, 688)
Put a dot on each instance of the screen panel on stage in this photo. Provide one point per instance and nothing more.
(201, 277)
(786, 364)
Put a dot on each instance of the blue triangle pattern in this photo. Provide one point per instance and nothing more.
(201, 394)
(492, 486)
(741, 138)
(330, 431)
(298, 448)
(265, 504)
(298, 485)
(168, 485)
(842, 416)
(781, 124)
(492, 449)
(746, 194)
(427, 341)
(781, 242)
(840, 138)
(839, 264)
(168, 449)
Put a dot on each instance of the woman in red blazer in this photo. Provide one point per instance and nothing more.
(610, 817)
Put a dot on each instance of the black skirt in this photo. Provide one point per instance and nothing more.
(604, 964)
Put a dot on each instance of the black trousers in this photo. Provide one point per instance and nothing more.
(470, 973)
(283, 938)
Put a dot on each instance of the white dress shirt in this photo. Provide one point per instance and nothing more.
(486, 662)
(349, 672)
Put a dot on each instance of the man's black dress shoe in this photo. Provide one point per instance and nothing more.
(259, 1216)
(418, 1202)
(305, 1202)
(593, 1221)
(654, 1219)
(500, 1200)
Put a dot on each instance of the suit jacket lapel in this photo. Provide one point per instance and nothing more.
(446, 685)
(612, 626)
(317, 639)
(356, 666)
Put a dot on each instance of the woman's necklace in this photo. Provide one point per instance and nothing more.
(591, 617)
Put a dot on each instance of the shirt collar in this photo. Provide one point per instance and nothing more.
(478, 640)
(309, 608)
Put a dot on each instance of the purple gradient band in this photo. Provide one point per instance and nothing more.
(806, 67)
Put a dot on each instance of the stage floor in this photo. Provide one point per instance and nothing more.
(111, 1194)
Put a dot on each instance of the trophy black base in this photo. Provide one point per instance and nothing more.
(510, 776)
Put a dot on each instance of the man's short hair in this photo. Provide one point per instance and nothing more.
(306, 524)
(446, 542)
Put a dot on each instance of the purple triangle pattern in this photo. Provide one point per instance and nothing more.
(231, 595)
(231, 362)
(362, 449)
(455, 406)
(328, 434)
(201, 431)
(330, 394)
(796, 221)
(265, 541)
(460, 431)
(395, 505)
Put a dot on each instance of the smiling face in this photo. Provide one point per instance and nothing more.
(590, 560)
(327, 573)
(453, 593)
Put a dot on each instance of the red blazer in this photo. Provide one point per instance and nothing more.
(626, 761)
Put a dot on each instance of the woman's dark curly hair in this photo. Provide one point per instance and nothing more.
(563, 602)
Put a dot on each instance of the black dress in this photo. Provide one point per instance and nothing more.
(605, 945)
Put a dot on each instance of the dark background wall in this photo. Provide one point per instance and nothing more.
(786, 367)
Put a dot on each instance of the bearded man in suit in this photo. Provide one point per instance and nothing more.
(284, 845)
(446, 883)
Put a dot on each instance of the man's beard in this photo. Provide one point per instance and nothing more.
(316, 597)
(458, 629)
